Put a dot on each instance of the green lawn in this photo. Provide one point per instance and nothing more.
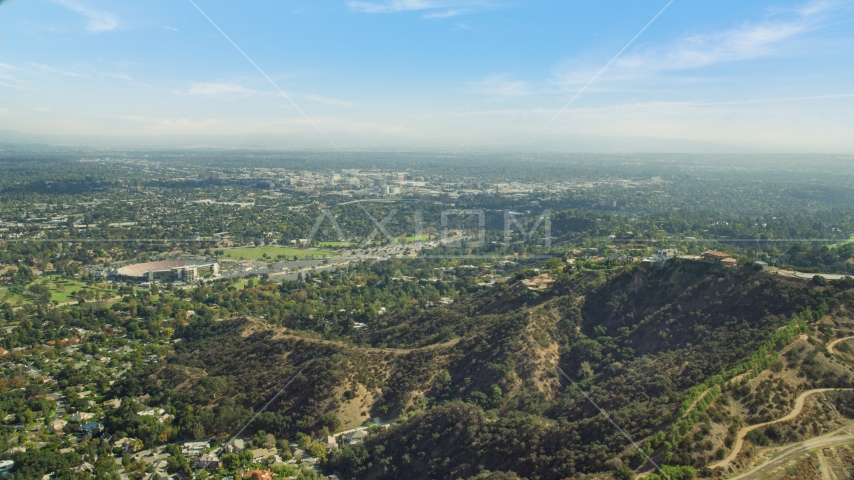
(6, 296)
(61, 290)
(272, 251)
(850, 240)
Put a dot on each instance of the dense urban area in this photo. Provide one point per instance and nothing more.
(195, 314)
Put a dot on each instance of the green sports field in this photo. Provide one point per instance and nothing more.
(421, 238)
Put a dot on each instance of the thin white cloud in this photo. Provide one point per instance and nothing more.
(500, 85)
(746, 41)
(171, 28)
(205, 88)
(742, 43)
(818, 6)
(80, 71)
(58, 70)
(330, 101)
(444, 8)
(120, 76)
(9, 80)
(770, 36)
(443, 14)
(233, 89)
(391, 6)
(99, 20)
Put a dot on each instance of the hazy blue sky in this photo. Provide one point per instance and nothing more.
(766, 75)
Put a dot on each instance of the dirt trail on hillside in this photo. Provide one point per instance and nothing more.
(791, 452)
(835, 342)
(402, 351)
(791, 345)
(281, 332)
(696, 400)
(741, 375)
(739, 439)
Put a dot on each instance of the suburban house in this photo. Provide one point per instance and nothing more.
(208, 461)
(330, 443)
(158, 413)
(540, 282)
(260, 454)
(261, 474)
(194, 449)
(235, 446)
(128, 445)
(57, 425)
(714, 256)
(661, 257)
(92, 428)
(81, 417)
(358, 436)
(619, 259)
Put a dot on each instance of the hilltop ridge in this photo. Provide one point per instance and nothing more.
(481, 373)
